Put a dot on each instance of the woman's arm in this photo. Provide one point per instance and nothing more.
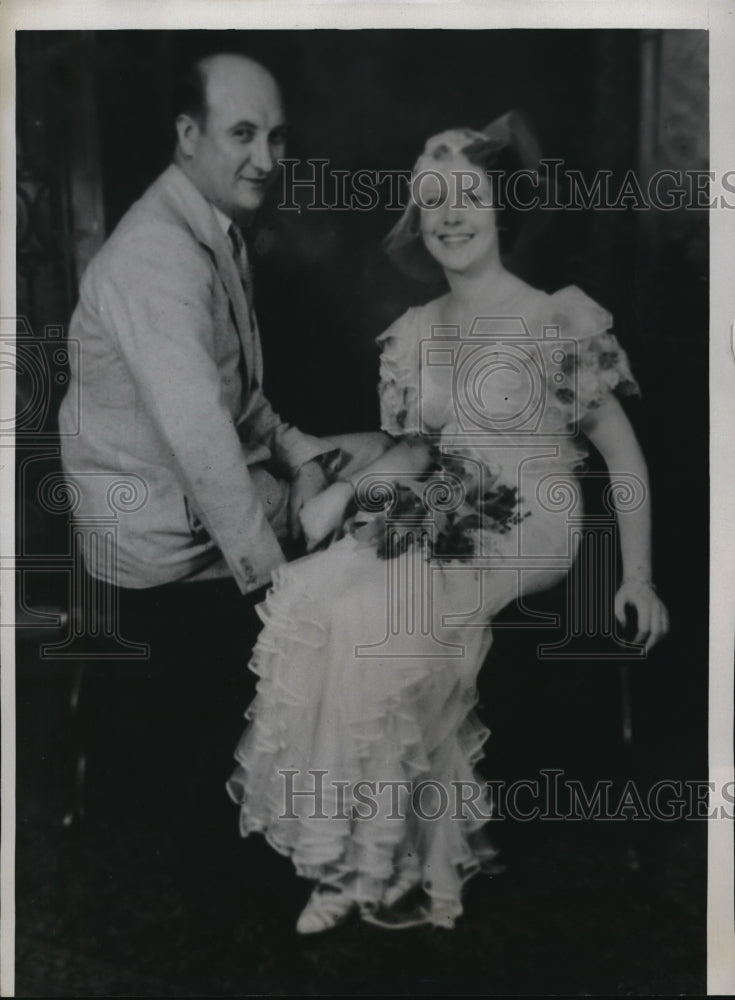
(610, 431)
(410, 454)
(325, 513)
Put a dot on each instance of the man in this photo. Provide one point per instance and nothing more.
(171, 369)
(172, 407)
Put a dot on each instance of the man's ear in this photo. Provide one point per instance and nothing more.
(187, 130)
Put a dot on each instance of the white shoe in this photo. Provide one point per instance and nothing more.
(327, 908)
(399, 889)
(396, 920)
(439, 913)
(444, 912)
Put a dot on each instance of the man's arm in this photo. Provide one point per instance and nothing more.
(158, 307)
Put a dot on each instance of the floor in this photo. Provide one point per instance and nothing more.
(124, 905)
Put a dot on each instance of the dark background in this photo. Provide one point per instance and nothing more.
(584, 908)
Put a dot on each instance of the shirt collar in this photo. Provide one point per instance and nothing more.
(224, 220)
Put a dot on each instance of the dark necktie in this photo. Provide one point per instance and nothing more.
(244, 268)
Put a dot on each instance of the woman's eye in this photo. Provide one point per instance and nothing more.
(470, 198)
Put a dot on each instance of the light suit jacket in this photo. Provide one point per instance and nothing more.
(161, 409)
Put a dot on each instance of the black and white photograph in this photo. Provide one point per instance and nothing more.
(361, 476)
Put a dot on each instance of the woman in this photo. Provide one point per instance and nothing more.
(362, 724)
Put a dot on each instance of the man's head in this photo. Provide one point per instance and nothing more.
(231, 131)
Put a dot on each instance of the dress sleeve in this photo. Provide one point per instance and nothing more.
(399, 377)
(598, 366)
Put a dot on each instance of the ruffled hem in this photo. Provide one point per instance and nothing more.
(337, 745)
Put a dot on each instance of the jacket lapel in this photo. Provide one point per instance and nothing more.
(199, 216)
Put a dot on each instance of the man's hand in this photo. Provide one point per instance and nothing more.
(308, 482)
(324, 515)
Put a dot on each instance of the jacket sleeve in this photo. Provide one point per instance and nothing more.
(156, 301)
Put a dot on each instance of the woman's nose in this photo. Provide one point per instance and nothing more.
(453, 215)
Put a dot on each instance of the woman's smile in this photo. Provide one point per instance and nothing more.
(453, 240)
(458, 228)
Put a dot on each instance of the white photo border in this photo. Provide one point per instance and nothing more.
(718, 18)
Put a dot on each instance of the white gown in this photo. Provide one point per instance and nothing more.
(367, 665)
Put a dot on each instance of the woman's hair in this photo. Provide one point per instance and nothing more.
(500, 150)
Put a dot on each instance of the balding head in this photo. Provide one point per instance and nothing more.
(191, 90)
(231, 131)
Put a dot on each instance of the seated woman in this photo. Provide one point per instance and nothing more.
(363, 728)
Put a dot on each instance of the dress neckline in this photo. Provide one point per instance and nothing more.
(522, 292)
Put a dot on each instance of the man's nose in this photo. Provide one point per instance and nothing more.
(261, 155)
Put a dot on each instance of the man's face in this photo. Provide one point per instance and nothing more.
(232, 157)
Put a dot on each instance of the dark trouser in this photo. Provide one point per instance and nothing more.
(161, 731)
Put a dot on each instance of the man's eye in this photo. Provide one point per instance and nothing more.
(244, 134)
(278, 138)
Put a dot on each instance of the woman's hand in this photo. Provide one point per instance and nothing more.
(324, 514)
(652, 618)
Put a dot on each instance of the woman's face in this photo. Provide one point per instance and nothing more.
(457, 223)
